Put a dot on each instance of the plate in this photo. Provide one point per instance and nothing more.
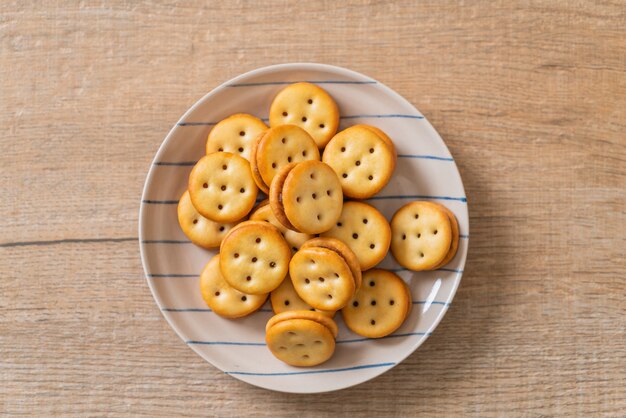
(425, 170)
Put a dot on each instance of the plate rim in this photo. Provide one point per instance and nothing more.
(306, 66)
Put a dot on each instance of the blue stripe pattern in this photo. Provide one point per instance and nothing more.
(173, 275)
(426, 157)
(416, 196)
(165, 241)
(392, 115)
(343, 369)
(203, 310)
(280, 83)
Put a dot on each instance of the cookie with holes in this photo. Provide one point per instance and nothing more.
(306, 197)
(263, 212)
(308, 106)
(222, 298)
(365, 230)
(278, 147)
(285, 298)
(362, 159)
(254, 257)
(343, 250)
(221, 187)
(301, 338)
(421, 235)
(380, 306)
(322, 278)
(200, 230)
(454, 245)
(235, 134)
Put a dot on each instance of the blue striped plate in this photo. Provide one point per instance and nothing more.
(425, 170)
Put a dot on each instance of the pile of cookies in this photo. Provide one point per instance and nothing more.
(307, 247)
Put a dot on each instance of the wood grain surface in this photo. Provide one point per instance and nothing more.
(530, 96)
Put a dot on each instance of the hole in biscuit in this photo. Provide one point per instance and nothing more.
(355, 304)
(328, 192)
(355, 236)
(403, 236)
(314, 196)
(336, 275)
(319, 217)
(357, 163)
(295, 249)
(312, 176)
(195, 221)
(372, 246)
(318, 342)
(303, 118)
(291, 333)
(343, 149)
(373, 303)
(236, 255)
(287, 303)
(221, 228)
(248, 278)
(435, 232)
(371, 150)
(322, 125)
(417, 216)
(273, 165)
(300, 345)
(304, 153)
(217, 293)
(224, 167)
(223, 187)
(422, 255)
(311, 309)
(283, 140)
(321, 279)
(242, 133)
(240, 149)
(339, 224)
(272, 264)
(243, 298)
(370, 177)
(312, 261)
(254, 259)
(289, 159)
(220, 207)
(365, 220)
(344, 175)
(419, 235)
(330, 296)
(372, 283)
(310, 101)
(257, 240)
(205, 185)
(282, 347)
(391, 302)
(305, 356)
(307, 281)
(373, 322)
(220, 149)
(298, 199)
(285, 113)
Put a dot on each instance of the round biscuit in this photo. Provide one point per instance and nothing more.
(308, 106)
(254, 257)
(316, 316)
(255, 168)
(222, 298)
(276, 196)
(263, 212)
(282, 145)
(221, 187)
(285, 299)
(235, 134)
(380, 306)
(362, 160)
(200, 230)
(343, 250)
(312, 197)
(365, 230)
(454, 245)
(421, 235)
(300, 342)
(321, 278)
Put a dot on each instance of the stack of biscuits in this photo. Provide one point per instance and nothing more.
(312, 245)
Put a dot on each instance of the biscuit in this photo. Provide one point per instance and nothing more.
(365, 230)
(307, 197)
(363, 161)
(280, 146)
(421, 235)
(263, 212)
(300, 342)
(305, 314)
(200, 230)
(454, 245)
(321, 278)
(380, 306)
(343, 250)
(255, 168)
(285, 298)
(235, 135)
(221, 187)
(222, 298)
(308, 106)
(254, 257)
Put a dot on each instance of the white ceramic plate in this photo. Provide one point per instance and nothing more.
(425, 170)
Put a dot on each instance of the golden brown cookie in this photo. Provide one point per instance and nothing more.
(235, 135)
(285, 298)
(454, 245)
(308, 106)
(200, 230)
(306, 197)
(343, 250)
(380, 306)
(300, 342)
(321, 278)
(305, 314)
(421, 235)
(365, 230)
(254, 257)
(263, 212)
(222, 298)
(221, 187)
(255, 168)
(363, 161)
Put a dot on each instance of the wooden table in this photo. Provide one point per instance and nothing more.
(529, 98)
